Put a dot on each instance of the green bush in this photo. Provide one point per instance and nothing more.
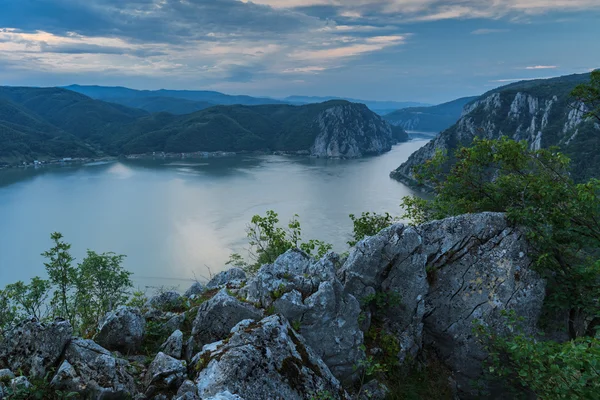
(368, 224)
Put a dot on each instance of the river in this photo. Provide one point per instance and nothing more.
(179, 220)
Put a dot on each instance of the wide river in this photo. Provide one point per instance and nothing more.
(177, 220)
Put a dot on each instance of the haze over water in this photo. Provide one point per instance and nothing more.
(177, 219)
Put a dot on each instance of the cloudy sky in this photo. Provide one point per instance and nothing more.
(417, 50)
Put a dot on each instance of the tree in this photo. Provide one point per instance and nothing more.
(30, 298)
(589, 95)
(268, 241)
(102, 285)
(560, 218)
(62, 275)
(368, 224)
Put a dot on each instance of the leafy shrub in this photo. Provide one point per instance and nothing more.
(368, 224)
(268, 241)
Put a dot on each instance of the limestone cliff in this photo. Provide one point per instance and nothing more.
(351, 130)
(542, 112)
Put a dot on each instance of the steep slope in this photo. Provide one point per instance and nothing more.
(217, 98)
(429, 119)
(542, 112)
(25, 137)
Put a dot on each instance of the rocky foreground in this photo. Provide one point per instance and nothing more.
(298, 328)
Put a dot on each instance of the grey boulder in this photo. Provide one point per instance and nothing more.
(195, 290)
(165, 301)
(217, 316)
(308, 293)
(173, 346)
(122, 330)
(93, 372)
(481, 270)
(233, 276)
(33, 347)
(164, 373)
(265, 360)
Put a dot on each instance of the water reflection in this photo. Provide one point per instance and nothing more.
(180, 219)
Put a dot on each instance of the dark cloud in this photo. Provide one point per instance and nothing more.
(150, 20)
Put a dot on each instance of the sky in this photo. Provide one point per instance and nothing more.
(405, 50)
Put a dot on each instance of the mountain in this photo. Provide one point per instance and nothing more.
(331, 129)
(380, 107)
(542, 112)
(123, 94)
(45, 123)
(171, 105)
(429, 119)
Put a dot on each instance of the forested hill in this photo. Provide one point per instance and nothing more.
(429, 119)
(46, 123)
(542, 112)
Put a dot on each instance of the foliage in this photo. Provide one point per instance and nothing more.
(268, 241)
(102, 285)
(63, 277)
(589, 94)
(82, 294)
(383, 300)
(8, 312)
(30, 299)
(39, 389)
(417, 381)
(550, 370)
(560, 218)
(368, 224)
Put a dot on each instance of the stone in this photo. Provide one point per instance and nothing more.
(391, 263)
(308, 293)
(165, 301)
(481, 269)
(188, 387)
(93, 372)
(374, 390)
(6, 375)
(19, 383)
(233, 276)
(173, 346)
(165, 373)
(265, 360)
(33, 347)
(122, 330)
(225, 396)
(195, 290)
(218, 315)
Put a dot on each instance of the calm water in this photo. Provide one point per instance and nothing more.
(176, 220)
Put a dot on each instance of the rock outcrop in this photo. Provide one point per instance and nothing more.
(419, 287)
(450, 273)
(349, 130)
(308, 293)
(33, 347)
(539, 112)
(93, 372)
(264, 360)
(218, 315)
(122, 330)
(233, 276)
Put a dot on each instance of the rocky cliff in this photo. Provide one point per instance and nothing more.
(351, 130)
(542, 112)
(300, 327)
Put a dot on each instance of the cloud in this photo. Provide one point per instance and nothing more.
(521, 79)
(488, 31)
(534, 67)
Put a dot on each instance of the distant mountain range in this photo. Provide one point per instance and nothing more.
(429, 119)
(188, 101)
(542, 112)
(47, 123)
